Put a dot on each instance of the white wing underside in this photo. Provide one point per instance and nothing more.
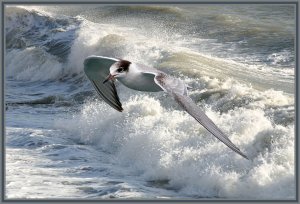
(177, 89)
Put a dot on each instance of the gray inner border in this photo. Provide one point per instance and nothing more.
(118, 2)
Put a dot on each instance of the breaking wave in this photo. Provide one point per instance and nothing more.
(153, 139)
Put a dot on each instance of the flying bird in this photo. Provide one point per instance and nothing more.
(102, 72)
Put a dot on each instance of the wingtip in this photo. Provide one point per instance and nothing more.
(120, 109)
(245, 156)
(242, 154)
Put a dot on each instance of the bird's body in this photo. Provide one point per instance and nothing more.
(138, 80)
(143, 78)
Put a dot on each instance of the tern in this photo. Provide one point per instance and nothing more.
(103, 71)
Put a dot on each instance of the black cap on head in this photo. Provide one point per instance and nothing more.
(124, 64)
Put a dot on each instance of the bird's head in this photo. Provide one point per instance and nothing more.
(118, 70)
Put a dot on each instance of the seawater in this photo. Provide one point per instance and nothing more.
(238, 59)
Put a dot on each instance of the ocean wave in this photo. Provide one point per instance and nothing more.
(172, 149)
(185, 154)
(115, 41)
(154, 12)
(196, 64)
(179, 154)
(153, 148)
(30, 28)
(33, 64)
(68, 41)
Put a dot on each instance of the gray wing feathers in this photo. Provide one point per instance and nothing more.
(200, 116)
(96, 69)
(111, 97)
(175, 88)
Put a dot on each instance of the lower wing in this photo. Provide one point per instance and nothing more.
(96, 69)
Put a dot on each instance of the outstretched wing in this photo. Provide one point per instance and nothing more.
(96, 69)
(174, 87)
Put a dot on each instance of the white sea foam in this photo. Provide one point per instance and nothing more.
(164, 144)
(280, 57)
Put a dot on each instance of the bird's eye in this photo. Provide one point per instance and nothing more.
(120, 69)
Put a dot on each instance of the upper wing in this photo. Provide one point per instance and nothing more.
(96, 69)
(187, 104)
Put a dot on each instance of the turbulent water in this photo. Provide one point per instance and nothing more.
(63, 141)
